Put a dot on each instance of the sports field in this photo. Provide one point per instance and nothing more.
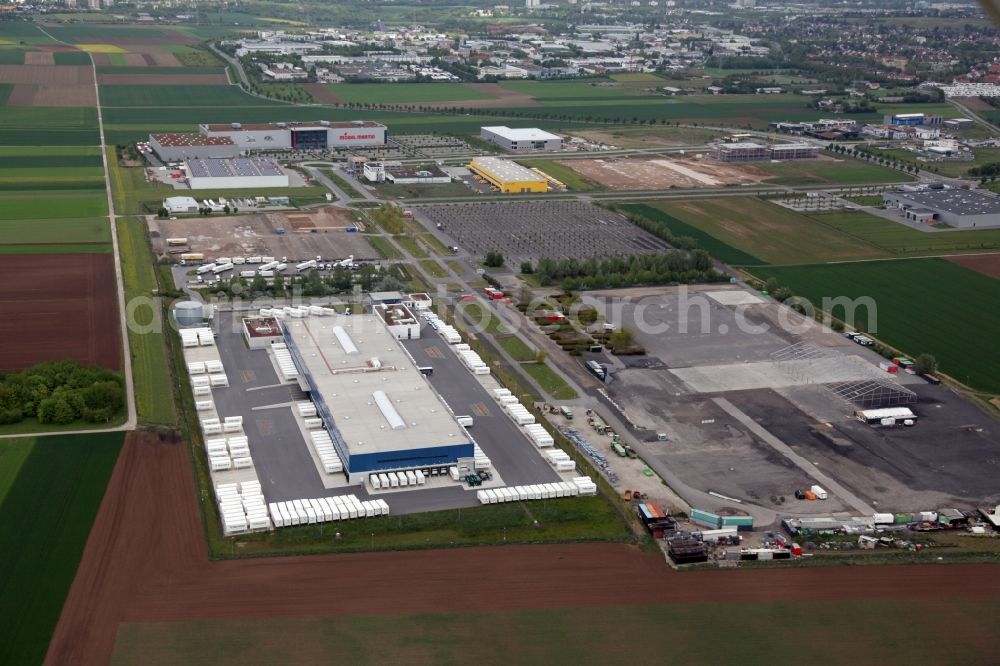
(924, 305)
(769, 232)
(690, 633)
(50, 489)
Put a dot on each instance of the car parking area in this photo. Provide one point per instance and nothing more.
(525, 230)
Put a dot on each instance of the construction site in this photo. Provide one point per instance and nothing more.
(752, 404)
(696, 171)
(297, 235)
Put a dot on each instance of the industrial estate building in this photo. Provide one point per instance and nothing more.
(230, 140)
(749, 151)
(520, 140)
(964, 209)
(300, 136)
(379, 410)
(178, 147)
(508, 176)
(404, 174)
(237, 173)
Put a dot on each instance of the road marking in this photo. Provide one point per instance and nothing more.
(434, 352)
(480, 409)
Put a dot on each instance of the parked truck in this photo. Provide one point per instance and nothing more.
(306, 265)
(222, 268)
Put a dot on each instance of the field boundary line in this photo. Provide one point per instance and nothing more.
(126, 350)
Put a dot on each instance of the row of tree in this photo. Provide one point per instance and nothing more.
(61, 392)
(627, 271)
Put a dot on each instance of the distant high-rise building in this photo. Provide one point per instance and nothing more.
(532, 4)
(94, 4)
(70, 3)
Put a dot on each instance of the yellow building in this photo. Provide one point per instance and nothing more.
(508, 176)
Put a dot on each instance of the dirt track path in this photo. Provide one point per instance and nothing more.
(146, 561)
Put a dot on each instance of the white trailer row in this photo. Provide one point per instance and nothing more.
(197, 337)
(228, 453)
(560, 460)
(325, 509)
(449, 333)
(323, 445)
(284, 359)
(585, 484)
(479, 458)
(473, 362)
(242, 507)
(306, 409)
(530, 492)
(539, 436)
(399, 479)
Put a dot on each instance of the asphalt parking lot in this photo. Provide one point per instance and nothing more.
(514, 457)
(951, 457)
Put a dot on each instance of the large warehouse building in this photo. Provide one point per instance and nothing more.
(380, 411)
(187, 146)
(230, 140)
(520, 140)
(238, 173)
(964, 209)
(508, 176)
(748, 151)
(301, 136)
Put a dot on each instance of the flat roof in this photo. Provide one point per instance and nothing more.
(347, 381)
(505, 170)
(742, 145)
(315, 124)
(190, 139)
(956, 201)
(239, 167)
(794, 146)
(522, 133)
(262, 327)
(395, 313)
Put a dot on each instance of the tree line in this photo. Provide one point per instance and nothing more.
(61, 392)
(628, 271)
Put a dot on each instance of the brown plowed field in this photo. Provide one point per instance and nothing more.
(39, 58)
(987, 264)
(58, 306)
(46, 75)
(24, 94)
(154, 79)
(101, 59)
(146, 561)
(501, 97)
(135, 60)
(164, 59)
(322, 94)
(641, 174)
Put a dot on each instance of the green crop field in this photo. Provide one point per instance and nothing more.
(155, 71)
(41, 206)
(830, 172)
(924, 306)
(47, 512)
(902, 240)
(81, 58)
(13, 453)
(773, 234)
(10, 56)
(880, 631)
(405, 93)
(62, 231)
(55, 178)
(150, 364)
(24, 157)
(715, 247)
(5, 89)
(516, 348)
(48, 126)
(166, 96)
